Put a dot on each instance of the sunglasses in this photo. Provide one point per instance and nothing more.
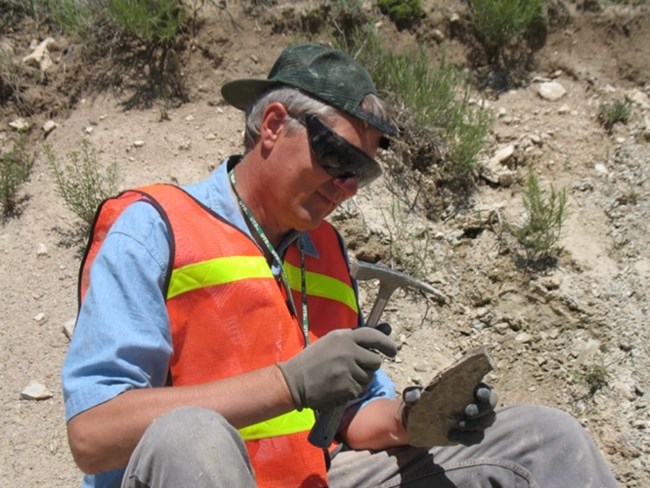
(338, 157)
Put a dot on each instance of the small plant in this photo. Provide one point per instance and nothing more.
(546, 213)
(499, 22)
(596, 377)
(409, 250)
(80, 17)
(80, 182)
(403, 12)
(11, 79)
(141, 36)
(156, 22)
(15, 166)
(612, 113)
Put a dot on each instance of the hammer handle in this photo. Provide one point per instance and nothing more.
(324, 430)
(327, 423)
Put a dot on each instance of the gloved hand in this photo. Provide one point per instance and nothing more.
(477, 416)
(335, 368)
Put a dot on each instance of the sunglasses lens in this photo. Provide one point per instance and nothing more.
(338, 157)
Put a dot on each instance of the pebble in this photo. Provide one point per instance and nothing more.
(41, 250)
(20, 124)
(551, 91)
(49, 126)
(36, 391)
(524, 337)
(625, 390)
(421, 367)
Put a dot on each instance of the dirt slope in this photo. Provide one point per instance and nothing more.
(544, 330)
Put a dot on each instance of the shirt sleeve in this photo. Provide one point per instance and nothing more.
(121, 338)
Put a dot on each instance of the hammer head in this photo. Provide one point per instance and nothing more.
(388, 277)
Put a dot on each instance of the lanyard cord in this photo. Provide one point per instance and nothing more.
(271, 249)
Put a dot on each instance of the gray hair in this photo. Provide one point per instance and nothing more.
(298, 104)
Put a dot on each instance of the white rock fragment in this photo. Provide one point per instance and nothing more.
(39, 317)
(502, 155)
(40, 57)
(524, 337)
(637, 97)
(625, 390)
(89, 130)
(438, 35)
(20, 124)
(551, 91)
(138, 143)
(41, 250)
(599, 167)
(35, 391)
(49, 126)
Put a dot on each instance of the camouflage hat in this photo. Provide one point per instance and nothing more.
(325, 73)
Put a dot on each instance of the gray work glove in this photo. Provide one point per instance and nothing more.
(336, 368)
(477, 416)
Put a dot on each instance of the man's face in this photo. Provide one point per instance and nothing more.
(306, 192)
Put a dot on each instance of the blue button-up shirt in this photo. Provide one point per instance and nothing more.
(122, 338)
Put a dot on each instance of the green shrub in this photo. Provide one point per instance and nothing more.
(84, 18)
(403, 12)
(612, 113)
(498, 22)
(546, 213)
(435, 99)
(596, 377)
(15, 166)
(80, 182)
(148, 20)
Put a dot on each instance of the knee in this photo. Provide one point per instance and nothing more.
(190, 430)
(547, 423)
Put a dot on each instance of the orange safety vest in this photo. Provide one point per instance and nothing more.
(229, 315)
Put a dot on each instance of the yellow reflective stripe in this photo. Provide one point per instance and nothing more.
(288, 423)
(321, 285)
(217, 272)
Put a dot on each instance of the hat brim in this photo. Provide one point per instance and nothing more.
(242, 93)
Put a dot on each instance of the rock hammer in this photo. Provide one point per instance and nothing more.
(327, 422)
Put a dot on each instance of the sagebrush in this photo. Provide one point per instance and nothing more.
(433, 104)
(499, 22)
(15, 167)
(81, 181)
(546, 212)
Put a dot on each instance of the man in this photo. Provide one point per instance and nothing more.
(217, 319)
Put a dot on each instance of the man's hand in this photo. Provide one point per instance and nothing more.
(477, 416)
(336, 368)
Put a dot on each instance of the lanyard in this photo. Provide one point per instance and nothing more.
(271, 249)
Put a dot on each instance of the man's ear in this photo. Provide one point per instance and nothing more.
(273, 123)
